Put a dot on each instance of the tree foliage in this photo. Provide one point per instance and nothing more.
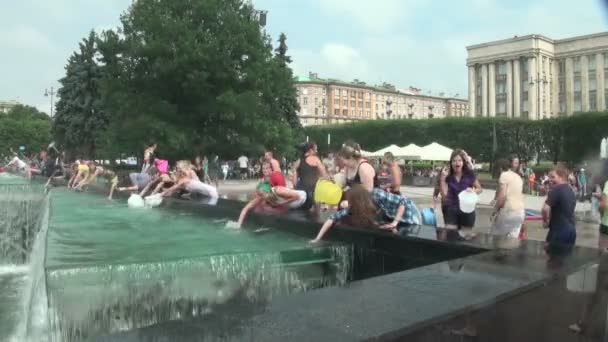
(81, 120)
(194, 76)
(571, 139)
(24, 126)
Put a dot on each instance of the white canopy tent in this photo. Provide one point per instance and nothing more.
(435, 152)
(410, 152)
(394, 149)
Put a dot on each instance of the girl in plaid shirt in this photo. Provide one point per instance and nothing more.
(364, 209)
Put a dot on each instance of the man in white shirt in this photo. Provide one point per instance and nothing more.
(244, 166)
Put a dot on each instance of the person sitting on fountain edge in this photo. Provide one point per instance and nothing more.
(399, 211)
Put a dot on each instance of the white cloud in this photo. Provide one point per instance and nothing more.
(25, 38)
(374, 16)
(332, 60)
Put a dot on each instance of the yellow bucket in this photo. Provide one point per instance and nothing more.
(327, 192)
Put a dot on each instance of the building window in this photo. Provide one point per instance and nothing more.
(576, 64)
(316, 111)
(577, 102)
(316, 101)
(324, 91)
(592, 100)
(591, 63)
(337, 102)
(478, 90)
(323, 102)
(345, 112)
(337, 93)
(305, 101)
(360, 104)
(344, 92)
(352, 103)
(525, 85)
(345, 103)
(353, 94)
(368, 105)
(336, 111)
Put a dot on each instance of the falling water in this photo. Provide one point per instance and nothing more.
(23, 219)
(89, 301)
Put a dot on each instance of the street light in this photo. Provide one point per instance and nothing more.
(51, 93)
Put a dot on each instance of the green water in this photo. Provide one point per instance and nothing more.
(6, 178)
(111, 268)
(87, 229)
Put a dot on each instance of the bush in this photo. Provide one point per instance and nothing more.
(570, 139)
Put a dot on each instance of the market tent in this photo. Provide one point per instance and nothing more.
(435, 152)
(410, 152)
(367, 153)
(394, 149)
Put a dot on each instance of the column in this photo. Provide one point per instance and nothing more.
(491, 89)
(532, 89)
(599, 76)
(516, 89)
(540, 65)
(509, 89)
(472, 90)
(585, 83)
(484, 90)
(555, 88)
(569, 77)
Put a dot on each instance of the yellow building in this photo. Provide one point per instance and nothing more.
(328, 101)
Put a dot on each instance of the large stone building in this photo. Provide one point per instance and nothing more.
(536, 77)
(6, 106)
(327, 101)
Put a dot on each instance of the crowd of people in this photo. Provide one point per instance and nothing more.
(370, 194)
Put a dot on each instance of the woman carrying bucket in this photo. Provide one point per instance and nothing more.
(460, 187)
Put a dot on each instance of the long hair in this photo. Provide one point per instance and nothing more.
(465, 162)
(362, 210)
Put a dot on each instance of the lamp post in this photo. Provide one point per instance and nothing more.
(50, 93)
(538, 101)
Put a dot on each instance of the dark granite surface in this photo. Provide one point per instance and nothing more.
(384, 307)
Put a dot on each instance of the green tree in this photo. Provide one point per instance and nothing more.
(80, 120)
(287, 100)
(193, 76)
(24, 126)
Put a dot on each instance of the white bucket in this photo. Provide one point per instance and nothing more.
(468, 200)
(153, 200)
(135, 201)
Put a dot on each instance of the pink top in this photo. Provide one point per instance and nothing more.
(162, 165)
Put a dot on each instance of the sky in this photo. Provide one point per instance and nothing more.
(419, 43)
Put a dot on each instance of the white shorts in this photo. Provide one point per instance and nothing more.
(300, 201)
(508, 223)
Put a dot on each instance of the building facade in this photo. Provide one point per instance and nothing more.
(6, 106)
(332, 101)
(536, 77)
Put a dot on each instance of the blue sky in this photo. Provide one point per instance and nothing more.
(405, 42)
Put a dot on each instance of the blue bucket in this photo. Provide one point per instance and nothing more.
(428, 217)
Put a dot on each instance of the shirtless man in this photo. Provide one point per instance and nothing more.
(268, 156)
